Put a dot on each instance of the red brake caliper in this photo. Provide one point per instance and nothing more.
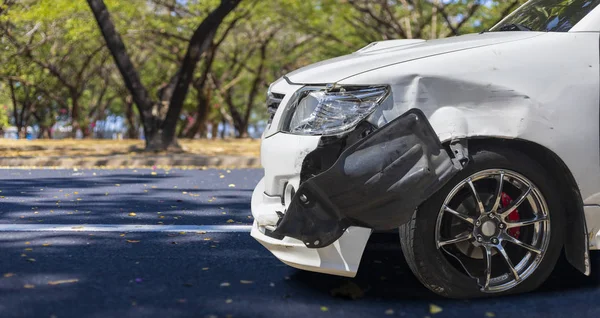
(506, 200)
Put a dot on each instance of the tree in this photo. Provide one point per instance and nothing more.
(51, 37)
(160, 134)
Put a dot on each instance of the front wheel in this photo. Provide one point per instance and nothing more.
(495, 228)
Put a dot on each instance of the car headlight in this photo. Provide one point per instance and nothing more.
(329, 112)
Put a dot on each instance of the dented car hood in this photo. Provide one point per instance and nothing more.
(381, 54)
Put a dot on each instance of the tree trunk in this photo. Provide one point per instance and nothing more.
(255, 86)
(75, 113)
(130, 76)
(202, 109)
(13, 96)
(132, 132)
(214, 130)
(200, 41)
(160, 135)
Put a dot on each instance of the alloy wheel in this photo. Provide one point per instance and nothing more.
(495, 227)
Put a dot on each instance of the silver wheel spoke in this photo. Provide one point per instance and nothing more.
(459, 215)
(510, 225)
(508, 262)
(476, 196)
(473, 226)
(498, 193)
(488, 266)
(461, 238)
(517, 203)
(521, 244)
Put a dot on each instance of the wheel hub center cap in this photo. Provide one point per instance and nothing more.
(488, 228)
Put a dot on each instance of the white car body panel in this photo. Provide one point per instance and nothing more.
(511, 85)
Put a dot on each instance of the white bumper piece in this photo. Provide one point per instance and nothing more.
(340, 258)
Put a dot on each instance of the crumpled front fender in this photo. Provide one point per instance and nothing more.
(378, 182)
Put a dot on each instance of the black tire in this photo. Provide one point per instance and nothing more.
(429, 264)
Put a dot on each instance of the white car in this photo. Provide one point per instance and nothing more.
(484, 149)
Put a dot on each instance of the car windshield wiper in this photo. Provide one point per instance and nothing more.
(514, 27)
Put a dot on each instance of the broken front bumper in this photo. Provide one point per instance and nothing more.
(376, 183)
(321, 197)
(341, 258)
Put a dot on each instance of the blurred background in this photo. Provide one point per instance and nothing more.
(59, 79)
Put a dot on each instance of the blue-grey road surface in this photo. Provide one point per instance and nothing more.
(72, 247)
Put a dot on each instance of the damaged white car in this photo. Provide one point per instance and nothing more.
(483, 149)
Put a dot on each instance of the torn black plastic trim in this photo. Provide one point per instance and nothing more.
(377, 182)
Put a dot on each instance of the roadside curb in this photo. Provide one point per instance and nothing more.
(132, 161)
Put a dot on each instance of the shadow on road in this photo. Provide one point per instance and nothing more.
(384, 275)
(177, 197)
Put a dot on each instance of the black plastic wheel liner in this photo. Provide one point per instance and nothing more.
(377, 183)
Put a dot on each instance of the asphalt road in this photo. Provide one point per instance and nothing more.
(81, 273)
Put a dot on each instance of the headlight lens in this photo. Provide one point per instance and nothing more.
(329, 112)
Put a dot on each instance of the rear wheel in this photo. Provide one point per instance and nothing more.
(494, 228)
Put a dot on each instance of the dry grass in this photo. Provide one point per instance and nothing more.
(92, 147)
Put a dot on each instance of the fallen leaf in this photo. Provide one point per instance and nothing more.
(77, 227)
(228, 301)
(27, 243)
(7, 275)
(221, 176)
(207, 238)
(323, 308)
(46, 244)
(225, 284)
(434, 309)
(31, 260)
(121, 235)
(205, 268)
(232, 185)
(29, 249)
(201, 232)
(246, 282)
(132, 241)
(490, 314)
(132, 214)
(230, 221)
(63, 281)
(153, 173)
(29, 286)
(182, 233)
(182, 300)
(389, 312)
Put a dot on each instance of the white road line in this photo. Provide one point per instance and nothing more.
(122, 228)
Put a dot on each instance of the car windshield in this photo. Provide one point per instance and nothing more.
(547, 15)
